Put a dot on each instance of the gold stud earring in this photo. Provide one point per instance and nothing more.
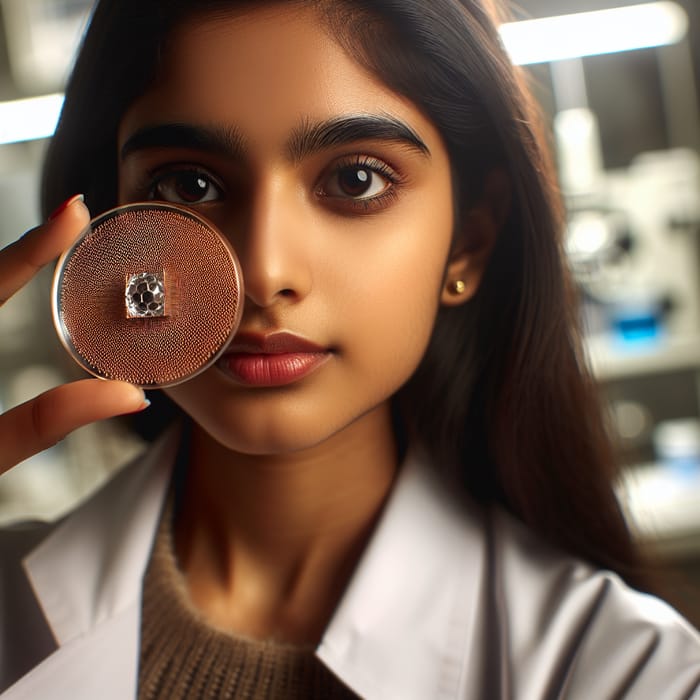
(457, 287)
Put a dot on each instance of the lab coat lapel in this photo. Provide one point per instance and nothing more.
(87, 578)
(393, 636)
(411, 623)
(101, 664)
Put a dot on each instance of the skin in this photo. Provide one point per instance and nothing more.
(301, 253)
(286, 482)
(42, 422)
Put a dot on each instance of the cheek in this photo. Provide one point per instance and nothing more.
(396, 316)
(392, 295)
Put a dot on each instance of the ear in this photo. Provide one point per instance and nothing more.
(475, 240)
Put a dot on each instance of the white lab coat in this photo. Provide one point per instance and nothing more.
(446, 602)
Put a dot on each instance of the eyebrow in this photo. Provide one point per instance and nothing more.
(211, 139)
(306, 140)
(312, 138)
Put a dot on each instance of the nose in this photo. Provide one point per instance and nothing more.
(272, 248)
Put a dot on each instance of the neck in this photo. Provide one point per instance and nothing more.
(268, 542)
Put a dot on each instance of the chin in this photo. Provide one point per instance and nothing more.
(265, 442)
(260, 434)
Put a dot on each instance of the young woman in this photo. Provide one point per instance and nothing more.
(396, 483)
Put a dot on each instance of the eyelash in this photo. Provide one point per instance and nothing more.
(155, 178)
(362, 204)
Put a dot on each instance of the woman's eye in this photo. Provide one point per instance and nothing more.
(186, 187)
(359, 181)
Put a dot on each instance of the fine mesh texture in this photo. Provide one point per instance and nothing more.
(203, 294)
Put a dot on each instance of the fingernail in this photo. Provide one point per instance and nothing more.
(139, 397)
(144, 402)
(62, 207)
(142, 406)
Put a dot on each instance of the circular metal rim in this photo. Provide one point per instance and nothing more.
(56, 286)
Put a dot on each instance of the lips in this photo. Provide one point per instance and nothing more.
(274, 359)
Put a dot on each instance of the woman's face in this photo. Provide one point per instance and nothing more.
(335, 193)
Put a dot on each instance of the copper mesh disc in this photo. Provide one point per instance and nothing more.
(203, 295)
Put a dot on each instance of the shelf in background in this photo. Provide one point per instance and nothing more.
(662, 506)
(611, 360)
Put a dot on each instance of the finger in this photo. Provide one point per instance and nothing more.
(40, 423)
(20, 261)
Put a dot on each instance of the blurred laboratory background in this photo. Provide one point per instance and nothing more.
(618, 83)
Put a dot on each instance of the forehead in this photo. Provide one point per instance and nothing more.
(265, 68)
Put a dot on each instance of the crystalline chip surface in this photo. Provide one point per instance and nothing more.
(145, 295)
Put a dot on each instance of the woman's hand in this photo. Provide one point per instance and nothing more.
(41, 422)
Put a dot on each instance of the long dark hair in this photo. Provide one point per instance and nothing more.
(503, 399)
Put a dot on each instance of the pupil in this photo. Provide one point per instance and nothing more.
(191, 186)
(354, 181)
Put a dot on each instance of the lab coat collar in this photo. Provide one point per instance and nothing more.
(89, 569)
(86, 576)
(101, 664)
(410, 624)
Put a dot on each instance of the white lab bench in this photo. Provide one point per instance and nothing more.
(662, 504)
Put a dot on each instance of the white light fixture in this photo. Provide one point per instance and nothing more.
(28, 119)
(593, 33)
(530, 41)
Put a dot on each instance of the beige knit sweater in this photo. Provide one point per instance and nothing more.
(183, 658)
